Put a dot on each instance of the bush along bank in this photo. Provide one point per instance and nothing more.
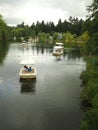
(89, 95)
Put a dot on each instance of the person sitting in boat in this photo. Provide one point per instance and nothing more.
(26, 68)
(30, 69)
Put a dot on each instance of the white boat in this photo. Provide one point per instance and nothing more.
(25, 73)
(58, 49)
(24, 43)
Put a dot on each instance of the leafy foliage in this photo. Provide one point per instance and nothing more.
(3, 29)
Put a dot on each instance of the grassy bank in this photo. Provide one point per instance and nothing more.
(90, 95)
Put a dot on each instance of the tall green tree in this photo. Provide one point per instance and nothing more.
(93, 11)
(92, 44)
(3, 29)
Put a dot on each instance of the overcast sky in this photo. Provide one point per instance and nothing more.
(29, 11)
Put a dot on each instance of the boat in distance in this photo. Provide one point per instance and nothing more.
(58, 49)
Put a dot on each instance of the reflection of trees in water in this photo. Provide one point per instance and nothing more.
(28, 86)
(73, 54)
(40, 50)
(3, 51)
(33, 49)
(37, 50)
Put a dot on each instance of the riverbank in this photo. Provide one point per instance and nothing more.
(90, 95)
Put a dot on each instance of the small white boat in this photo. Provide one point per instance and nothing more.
(24, 43)
(58, 49)
(25, 73)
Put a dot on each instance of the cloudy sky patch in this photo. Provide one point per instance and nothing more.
(17, 11)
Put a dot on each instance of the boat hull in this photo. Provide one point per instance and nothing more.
(57, 54)
(27, 75)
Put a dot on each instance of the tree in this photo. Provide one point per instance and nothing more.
(92, 45)
(76, 26)
(84, 37)
(3, 29)
(59, 26)
(69, 37)
(93, 10)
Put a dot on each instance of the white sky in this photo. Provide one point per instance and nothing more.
(16, 11)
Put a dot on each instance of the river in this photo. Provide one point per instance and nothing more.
(52, 102)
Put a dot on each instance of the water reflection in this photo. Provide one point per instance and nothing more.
(73, 54)
(4, 47)
(38, 49)
(28, 86)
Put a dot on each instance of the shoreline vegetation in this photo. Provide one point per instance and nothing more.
(89, 95)
(89, 77)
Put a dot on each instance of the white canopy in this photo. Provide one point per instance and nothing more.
(27, 61)
(59, 43)
(58, 47)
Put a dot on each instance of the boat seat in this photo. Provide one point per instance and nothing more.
(26, 71)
